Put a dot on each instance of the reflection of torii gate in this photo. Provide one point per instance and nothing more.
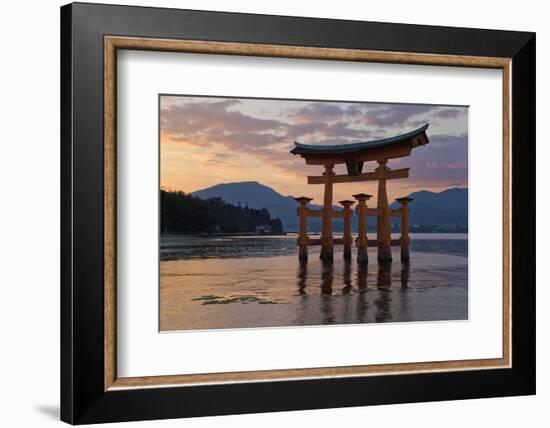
(354, 156)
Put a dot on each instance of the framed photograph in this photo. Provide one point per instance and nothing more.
(267, 213)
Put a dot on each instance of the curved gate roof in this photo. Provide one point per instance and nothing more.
(416, 138)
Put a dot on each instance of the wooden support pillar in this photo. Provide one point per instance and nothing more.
(302, 237)
(327, 241)
(362, 241)
(348, 239)
(383, 219)
(405, 240)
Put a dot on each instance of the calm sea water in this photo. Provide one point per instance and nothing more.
(246, 282)
(181, 247)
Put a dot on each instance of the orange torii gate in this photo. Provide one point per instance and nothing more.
(354, 156)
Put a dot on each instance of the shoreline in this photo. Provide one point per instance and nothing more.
(432, 235)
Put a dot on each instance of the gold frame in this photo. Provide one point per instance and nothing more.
(112, 43)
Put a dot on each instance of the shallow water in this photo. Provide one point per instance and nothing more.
(246, 282)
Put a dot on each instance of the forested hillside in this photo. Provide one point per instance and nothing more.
(184, 213)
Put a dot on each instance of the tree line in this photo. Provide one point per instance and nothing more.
(183, 213)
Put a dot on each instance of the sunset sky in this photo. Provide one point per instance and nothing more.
(207, 141)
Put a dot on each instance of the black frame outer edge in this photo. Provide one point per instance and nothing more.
(82, 397)
(66, 369)
(524, 216)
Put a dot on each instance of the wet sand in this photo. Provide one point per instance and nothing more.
(278, 291)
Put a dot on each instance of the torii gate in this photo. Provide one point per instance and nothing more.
(354, 156)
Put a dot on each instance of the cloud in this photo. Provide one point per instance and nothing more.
(182, 119)
(318, 112)
(449, 113)
(379, 115)
(395, 114)
(451, 165)
(226, 127)
(216, 123)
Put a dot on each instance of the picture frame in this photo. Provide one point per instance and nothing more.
(91, 35)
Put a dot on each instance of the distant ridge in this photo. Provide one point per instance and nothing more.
(255, 195)
(447, 209)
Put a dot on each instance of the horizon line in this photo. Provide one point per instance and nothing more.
(269, 187)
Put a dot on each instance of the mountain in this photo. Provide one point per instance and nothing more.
(447, 208)
(255, 195)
